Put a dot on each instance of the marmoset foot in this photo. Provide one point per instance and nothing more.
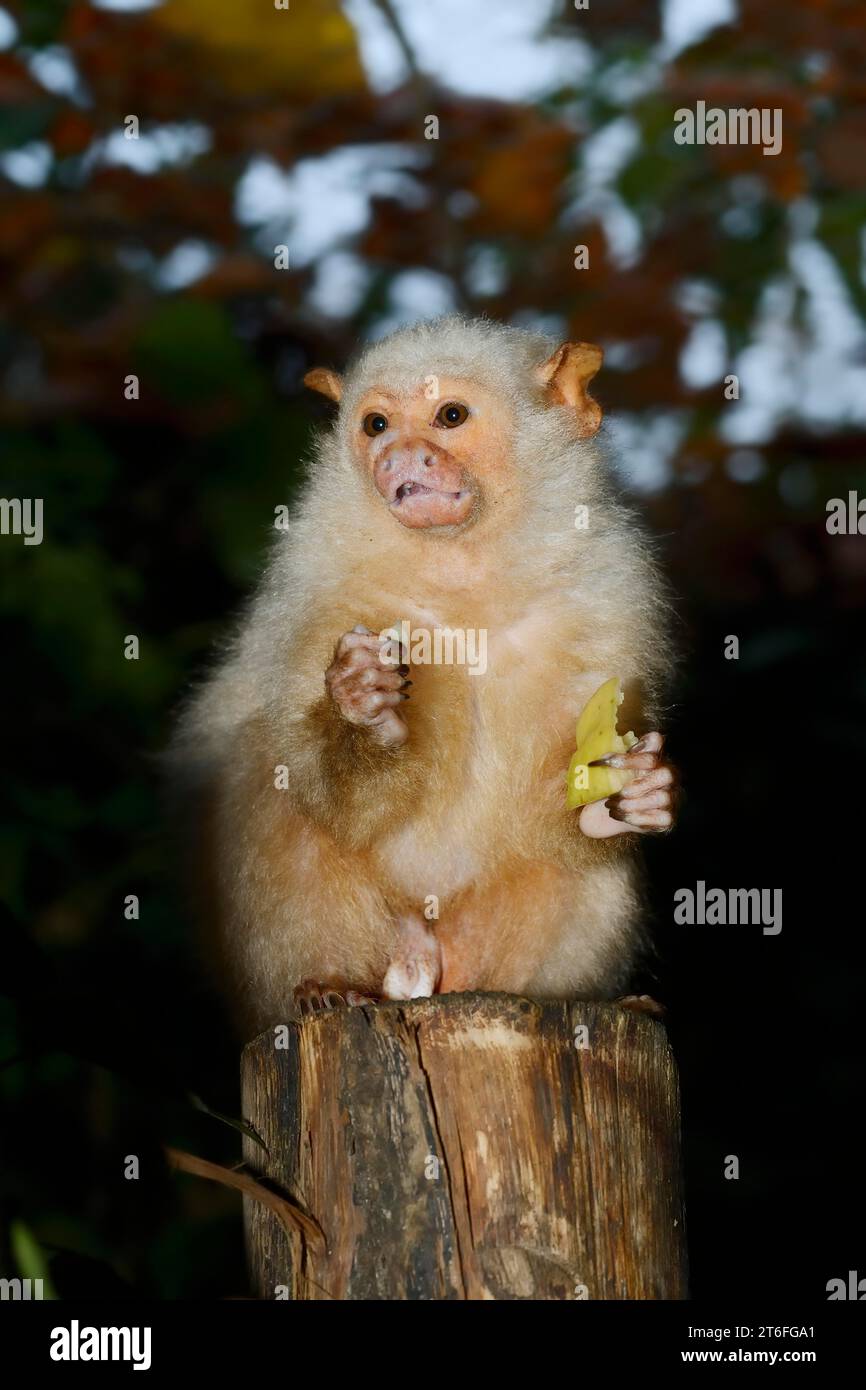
(641, 1004)
(311, 997)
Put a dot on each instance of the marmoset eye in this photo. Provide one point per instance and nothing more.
(451, 415)
(375, 423)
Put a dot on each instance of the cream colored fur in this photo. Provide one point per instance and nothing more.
(307, 882)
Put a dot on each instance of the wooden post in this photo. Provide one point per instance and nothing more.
(470, 1146)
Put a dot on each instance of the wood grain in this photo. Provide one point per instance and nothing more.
(468, 1147)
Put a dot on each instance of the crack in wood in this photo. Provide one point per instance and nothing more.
(559, 1166)
(415, 1031)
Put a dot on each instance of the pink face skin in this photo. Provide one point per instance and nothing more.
(423, 455)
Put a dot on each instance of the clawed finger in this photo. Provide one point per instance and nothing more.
(643, 756)
(361, 644)
(649, 819)
(356, 640)
(355, 999)
(372, 678)
(659, 800)
(661, 778)
(313, 998)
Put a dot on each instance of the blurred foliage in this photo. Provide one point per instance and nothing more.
(157, 511)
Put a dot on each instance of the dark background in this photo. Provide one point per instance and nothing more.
(255, 125)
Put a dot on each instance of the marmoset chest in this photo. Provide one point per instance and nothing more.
(498, 712)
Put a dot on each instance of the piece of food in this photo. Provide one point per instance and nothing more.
(596, 737)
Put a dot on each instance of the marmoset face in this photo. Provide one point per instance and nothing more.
(435, 460)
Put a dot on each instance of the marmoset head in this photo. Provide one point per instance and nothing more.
(433, 415)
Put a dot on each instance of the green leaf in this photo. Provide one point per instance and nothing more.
(30, 1259)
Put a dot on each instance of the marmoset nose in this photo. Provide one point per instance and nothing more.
(412, 461)
(419, 452)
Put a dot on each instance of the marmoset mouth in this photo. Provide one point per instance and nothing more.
(410, 489)
(419, 505)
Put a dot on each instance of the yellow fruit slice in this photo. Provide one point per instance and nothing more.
(596, 737)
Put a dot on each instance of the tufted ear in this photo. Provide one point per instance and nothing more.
(566, 376)
(323, 379)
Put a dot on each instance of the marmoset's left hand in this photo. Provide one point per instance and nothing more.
(646, 803)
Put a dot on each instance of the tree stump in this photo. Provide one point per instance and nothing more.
(469, 1146)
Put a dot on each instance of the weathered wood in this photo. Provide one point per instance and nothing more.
(471, 1146)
